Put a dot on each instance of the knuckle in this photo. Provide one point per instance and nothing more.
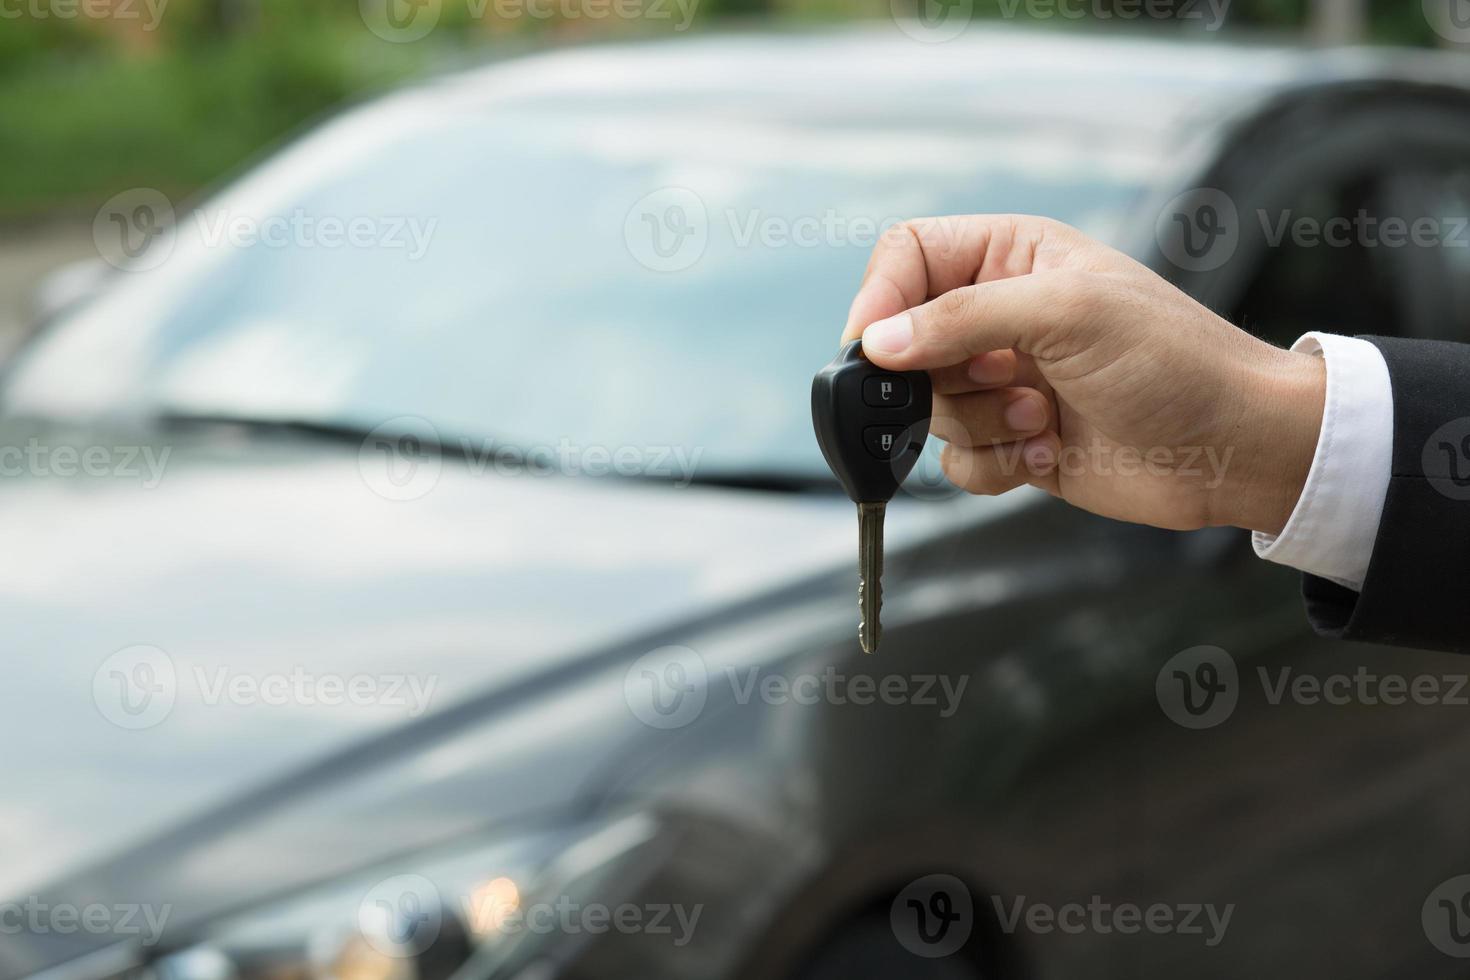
(955, 308)
(903, 234)
(1080, 301)
(1059, 230)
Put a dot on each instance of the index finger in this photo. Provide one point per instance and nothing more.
(920, 259)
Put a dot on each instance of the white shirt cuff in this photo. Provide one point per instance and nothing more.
(1330, 533)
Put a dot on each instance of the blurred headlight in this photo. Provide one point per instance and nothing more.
(426, 919)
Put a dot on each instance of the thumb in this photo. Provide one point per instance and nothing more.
(1023, 312)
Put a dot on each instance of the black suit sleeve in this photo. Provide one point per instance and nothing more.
(1417, 592)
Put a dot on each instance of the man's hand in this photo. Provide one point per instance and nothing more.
(1064, 364)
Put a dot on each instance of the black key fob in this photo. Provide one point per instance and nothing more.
(871, 423)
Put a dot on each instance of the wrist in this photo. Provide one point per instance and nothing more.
(1286, 394)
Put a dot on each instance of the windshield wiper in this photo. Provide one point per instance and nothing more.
(771, 481)
(262, 425)
(500, 458)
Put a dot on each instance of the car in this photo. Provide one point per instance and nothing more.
(421, 566)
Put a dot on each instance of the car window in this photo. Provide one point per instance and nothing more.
(1386, 254)
(1318, 273)
(609, 275)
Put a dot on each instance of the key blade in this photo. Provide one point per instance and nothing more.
(870, 574)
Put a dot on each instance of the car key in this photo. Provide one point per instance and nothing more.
(871, 424)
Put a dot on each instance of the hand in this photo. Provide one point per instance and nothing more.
(1062, 363)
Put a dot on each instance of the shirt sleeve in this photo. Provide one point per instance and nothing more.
(1331, 531)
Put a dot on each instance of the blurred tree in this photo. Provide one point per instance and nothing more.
(225, 17)
(28, 41)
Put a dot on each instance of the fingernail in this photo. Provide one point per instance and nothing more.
(1025, 415)
(989, 370)
(890, 336)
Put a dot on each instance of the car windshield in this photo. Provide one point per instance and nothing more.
(596, 270)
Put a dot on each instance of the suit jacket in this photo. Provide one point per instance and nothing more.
(1417, 591)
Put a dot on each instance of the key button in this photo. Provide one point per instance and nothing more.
(884, 441)
(886, 391)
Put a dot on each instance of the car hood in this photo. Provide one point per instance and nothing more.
(262, 604)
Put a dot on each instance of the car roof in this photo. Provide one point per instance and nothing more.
(1121, 84)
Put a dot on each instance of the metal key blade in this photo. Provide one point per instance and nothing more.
(870, 574)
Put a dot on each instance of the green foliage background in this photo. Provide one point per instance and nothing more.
(87, 110)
